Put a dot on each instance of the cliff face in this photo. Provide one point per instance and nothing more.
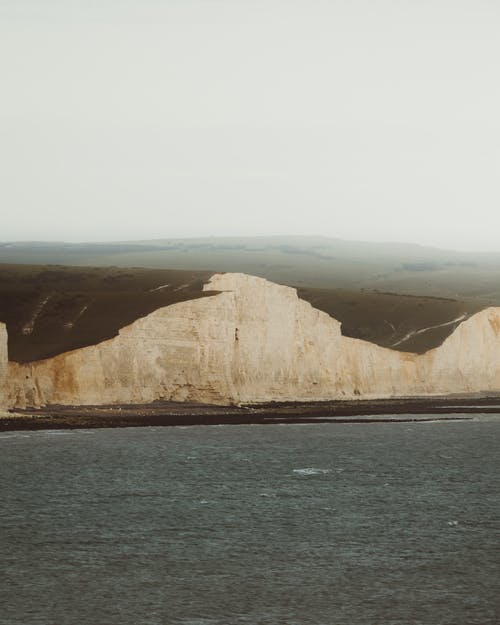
(3, 366)
(255, 341)
(468, 361)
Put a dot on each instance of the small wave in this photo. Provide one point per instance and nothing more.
(199, 621)
(311, 471)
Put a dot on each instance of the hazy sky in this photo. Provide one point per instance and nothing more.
(359, 119)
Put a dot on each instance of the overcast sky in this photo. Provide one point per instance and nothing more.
(359, 119)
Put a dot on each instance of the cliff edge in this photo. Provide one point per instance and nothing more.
(255, 341)
(3, 366)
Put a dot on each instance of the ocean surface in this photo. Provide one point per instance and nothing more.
(321, 524)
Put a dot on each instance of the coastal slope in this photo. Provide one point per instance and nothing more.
(254, 341)
(3, 365)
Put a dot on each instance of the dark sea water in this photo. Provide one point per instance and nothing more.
(324, 524)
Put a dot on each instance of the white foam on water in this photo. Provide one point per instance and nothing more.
(311, 471)
(438, 420)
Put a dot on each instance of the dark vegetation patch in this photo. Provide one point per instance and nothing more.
(52, 309)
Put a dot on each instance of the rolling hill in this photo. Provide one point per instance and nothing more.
(56, 296)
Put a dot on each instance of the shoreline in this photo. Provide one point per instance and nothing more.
(186, 414)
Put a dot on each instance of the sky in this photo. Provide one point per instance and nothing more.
(358, 119)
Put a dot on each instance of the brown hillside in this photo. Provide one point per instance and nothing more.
(50, 309)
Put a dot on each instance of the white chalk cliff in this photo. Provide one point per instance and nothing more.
(3, 366)
(255, 341)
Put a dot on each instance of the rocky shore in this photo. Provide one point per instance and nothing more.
(184, 413)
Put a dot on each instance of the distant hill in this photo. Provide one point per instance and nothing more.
(318, 262)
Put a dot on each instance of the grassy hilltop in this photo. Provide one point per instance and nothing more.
(59, 296)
